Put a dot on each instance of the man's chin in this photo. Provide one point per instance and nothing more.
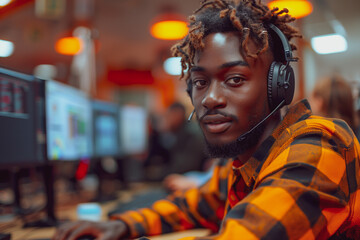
(236, 147)
(225, 150)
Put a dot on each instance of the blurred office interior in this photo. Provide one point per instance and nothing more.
(120, 68)
(128, 59)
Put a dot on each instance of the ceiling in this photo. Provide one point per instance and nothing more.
(121, 30)
(318, 23)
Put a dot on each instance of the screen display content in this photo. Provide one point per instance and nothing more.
(68, 122)
(106, 129)
(19, 115)
(133, 129)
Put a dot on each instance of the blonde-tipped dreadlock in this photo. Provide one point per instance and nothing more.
(249, 17)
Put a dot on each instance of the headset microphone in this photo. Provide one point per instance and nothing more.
(245, 135)
(191, 115)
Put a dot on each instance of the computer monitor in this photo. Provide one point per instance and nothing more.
(22, 133)
(105, 129)
(21, 111)
(68, 122)
(133, 129)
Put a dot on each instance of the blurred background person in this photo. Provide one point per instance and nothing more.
(177, 146)
(332, 96)
(176, 158)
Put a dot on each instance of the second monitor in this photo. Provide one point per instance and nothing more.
(106, 129)
(68, 121)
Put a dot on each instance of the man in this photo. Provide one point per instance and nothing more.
(290, 178)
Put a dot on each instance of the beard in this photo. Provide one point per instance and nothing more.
(237, 147)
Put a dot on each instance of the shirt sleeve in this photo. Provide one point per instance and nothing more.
(195, 208)
(302, 193)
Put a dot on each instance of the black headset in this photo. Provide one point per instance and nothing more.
(281, 77)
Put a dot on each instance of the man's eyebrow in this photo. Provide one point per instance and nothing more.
(197, 69)
(225, 65)
(234, 63)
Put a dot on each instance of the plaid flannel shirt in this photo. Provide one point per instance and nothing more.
(302, 183)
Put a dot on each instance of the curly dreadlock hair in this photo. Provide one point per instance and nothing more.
(248, 17)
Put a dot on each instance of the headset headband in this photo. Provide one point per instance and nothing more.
(285, 43)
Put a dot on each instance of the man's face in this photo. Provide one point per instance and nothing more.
(229, 91)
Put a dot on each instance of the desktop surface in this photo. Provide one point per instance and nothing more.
(69, 213)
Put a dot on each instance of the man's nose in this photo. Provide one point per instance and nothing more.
(215, 97)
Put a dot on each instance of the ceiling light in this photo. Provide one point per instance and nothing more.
(4, 2)
(297, 8)
(169, 30)
(45, 71)
(68, 46)
(172, 66)
(169, 25)
(6, 48)
(326, 44)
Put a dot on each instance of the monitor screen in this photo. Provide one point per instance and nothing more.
(105, 129)
(133, 129)
(68, 122)
(20, 132)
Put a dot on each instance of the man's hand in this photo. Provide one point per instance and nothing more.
(111, 230)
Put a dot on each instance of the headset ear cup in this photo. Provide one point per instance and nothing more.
(288, 83)
(281, 84)
(281, 77)
(270, 86)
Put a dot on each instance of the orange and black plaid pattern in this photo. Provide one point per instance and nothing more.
(302, 183)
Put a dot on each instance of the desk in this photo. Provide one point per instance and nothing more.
(46, 233)
(19, 233)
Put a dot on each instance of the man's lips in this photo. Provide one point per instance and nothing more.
(216, 123)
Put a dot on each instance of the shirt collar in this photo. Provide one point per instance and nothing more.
(249, 170)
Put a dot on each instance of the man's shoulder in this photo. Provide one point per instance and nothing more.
(327, 127)
(303, 142)
(300, 120)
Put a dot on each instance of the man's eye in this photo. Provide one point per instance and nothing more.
(235, 81)
(199, 83)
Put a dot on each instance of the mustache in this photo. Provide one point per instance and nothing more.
(217, 112)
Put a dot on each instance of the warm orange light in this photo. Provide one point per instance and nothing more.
(297, 8)
(68, 46)
(169, 30)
